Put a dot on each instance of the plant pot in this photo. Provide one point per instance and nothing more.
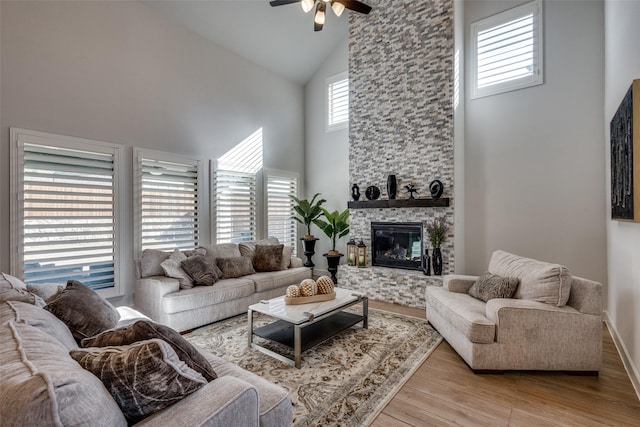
(309, 246)
(333, 261)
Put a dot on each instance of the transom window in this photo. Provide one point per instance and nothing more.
(506, 51)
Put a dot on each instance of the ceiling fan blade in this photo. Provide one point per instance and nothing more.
(356, 6)
(283, 2)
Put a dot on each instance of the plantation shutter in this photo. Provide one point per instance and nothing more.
(235, 206)
(168, 204)
(68, 215)
(337, 102)
(280, 224)
(507, 50)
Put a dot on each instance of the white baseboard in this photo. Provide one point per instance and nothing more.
(629, 366)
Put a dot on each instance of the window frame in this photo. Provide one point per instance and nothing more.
(20, 136)
(268, 173)
(344, 124)
(138, 155)
(537, 77)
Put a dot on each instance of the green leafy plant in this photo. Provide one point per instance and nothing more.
(437, 231)
(307, 211)
(335, 227)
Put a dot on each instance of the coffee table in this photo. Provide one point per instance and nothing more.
(303, 326)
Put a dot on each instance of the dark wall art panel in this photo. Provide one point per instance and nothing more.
(625, 157)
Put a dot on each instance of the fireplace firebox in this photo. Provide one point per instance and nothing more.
(397, 245)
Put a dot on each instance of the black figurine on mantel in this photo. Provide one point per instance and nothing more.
(355, 192)
(436, 188)
(411, 189)
(391, 186)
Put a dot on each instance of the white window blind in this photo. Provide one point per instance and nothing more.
(168, 203)
(337, 102)
(280, 224)
(507, 50)
(235, 206)
(66, 215)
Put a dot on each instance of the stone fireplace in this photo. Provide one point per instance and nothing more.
(401, 123)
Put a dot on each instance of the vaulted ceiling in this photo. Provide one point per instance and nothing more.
(281, 39)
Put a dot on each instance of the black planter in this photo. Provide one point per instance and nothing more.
(333, 261)
(437, 262)
(392, 187)
(309, 246)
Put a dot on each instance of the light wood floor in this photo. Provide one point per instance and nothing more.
(444, 391)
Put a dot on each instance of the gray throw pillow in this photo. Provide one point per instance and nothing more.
(83, 311)
(202, 269)
(145, 330)
(267, 257)
(142, 378)
(287, 251)
(150, 262)
(172, 268)
(491, 286)
(235, 267)
(13, 289)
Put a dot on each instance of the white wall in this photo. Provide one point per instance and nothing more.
(534, 172)
(622, 65)
(119, 72)
(326, 153)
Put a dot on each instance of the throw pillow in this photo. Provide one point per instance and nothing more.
(287, 251)
(150, 262)
(490, 286)
(10, 292)
(235, 267)
(46, 291)
(172, 268)
(144, 330)
(249, 248)
(83, 311)
(15, 282)
(143, 378)
(202, 269)
(267, 257)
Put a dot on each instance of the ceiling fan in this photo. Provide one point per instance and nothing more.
(338, 6)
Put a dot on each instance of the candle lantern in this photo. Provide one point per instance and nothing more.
(361, 254)
(351, 252)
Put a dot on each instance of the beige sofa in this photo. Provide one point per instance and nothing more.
(161, 298)
(42, 385)
(553, 322)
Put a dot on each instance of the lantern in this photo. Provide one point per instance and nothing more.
(361, 255)
(351, 252)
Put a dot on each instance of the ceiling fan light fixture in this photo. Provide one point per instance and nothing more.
(307, 5)
(319, 17)
(337, 7)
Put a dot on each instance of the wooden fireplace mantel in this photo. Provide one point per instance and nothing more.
(442, 202)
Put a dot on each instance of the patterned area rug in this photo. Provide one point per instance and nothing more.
(346, 380)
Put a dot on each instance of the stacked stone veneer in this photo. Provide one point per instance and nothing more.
(401, 122)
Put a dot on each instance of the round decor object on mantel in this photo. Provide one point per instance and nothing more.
(436, 188)
(372, 192)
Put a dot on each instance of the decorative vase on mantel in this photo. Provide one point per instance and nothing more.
(392, 186)
(309, 246)
(437, 262)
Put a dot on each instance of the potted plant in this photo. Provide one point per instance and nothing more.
(335, 227)
(306, 212)
(437, 233)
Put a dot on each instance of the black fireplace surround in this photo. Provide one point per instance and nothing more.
(397, 245)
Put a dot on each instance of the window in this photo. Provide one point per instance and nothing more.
(280, 224)
(235, 198)
(506, 51)
(65, 216)
(337, 102)
(168, 214)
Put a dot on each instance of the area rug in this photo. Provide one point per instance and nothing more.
(345, 381)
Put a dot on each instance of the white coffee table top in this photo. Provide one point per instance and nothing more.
(296, 314)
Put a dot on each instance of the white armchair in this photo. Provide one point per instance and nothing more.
(563, 333)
